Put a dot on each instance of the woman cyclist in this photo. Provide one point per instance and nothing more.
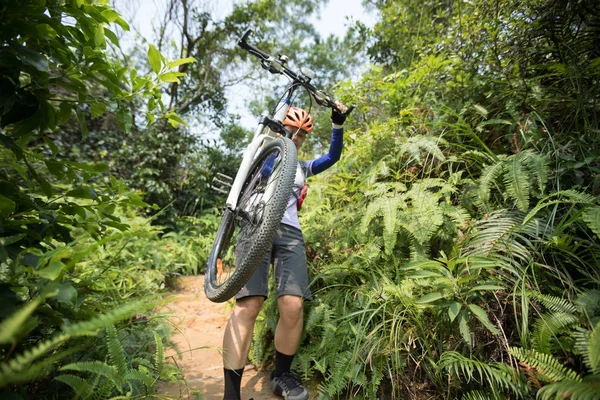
(290, 268)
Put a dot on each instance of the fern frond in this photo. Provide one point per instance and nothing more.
(141, 376)
(488, 176)
(537, 164)
(480, 395)
(78, 384)
(516, 180)
(386, 207)
(555, 303)
(116, 353)
(97, 368)
(417, 144)
(10, 375)
(591, 216)
(588, 389)
(503, 233)
(588, 344)
(10, 326)
(549, 326)
(588, 303)
(561, 197)
(545, 364)
(159, 356)
(498, 376)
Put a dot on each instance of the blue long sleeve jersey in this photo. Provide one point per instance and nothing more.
(306, 169)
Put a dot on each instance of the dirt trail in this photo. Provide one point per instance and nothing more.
(201, 324)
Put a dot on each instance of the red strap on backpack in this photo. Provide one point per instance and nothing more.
(302, 196)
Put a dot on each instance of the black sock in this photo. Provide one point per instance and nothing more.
(283, 363)
(233, 382)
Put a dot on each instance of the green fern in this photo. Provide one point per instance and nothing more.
(96, 368)
(77, 383)
(159, 355)
(116, 353)
(548, 327)
(588, 344)
(555, 303)
(591, 216)
(560, 197)
(517, 172)
(587, 389)
(16, 369)
(116, 376)
(516, 180)
(497, 376)
(545, 364)
(385, 207)
(481, 395)
(418, 144)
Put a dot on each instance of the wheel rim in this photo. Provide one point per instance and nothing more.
(257, 193)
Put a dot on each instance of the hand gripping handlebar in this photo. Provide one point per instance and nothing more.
(277, 66)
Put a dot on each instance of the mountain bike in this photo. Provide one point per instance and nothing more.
(262, 187)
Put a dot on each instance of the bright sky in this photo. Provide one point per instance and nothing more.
(144, 17)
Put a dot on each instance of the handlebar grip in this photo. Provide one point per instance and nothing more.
(243, 43)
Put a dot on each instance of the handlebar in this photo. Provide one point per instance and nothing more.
(277, 66)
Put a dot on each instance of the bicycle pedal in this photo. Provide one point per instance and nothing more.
(221, 183)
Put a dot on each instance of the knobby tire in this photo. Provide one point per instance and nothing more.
(248, 231)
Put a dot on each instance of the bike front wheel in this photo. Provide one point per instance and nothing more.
(246, 233)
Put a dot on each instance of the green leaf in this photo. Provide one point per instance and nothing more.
(170, 77)
(485, 287)
(481, 110)
(46, 31)
(82, 125)
(111, 15)
(125, 119)
(7, 206)
(111, 36)
(51, 145)
(174, 118)
(454, 310)
(463, 326)
(99, 38)
(9, 327)
(154, 57)
(52, 271)
(33, 58)
(431, 297)
(64, 113)
(66, 294)
(5, 241)
(97, 109)
(482, 316)
(181, 61)
(83, 192)
(100, 167)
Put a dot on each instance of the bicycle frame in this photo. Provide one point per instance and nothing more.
(253, 150)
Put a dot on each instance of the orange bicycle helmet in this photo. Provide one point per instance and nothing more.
(299, 118)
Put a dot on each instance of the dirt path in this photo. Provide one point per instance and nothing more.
(201, 324)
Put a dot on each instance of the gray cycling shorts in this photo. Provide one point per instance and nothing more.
(289, 263)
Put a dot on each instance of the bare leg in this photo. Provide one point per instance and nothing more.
(238, 332)
(289, 327)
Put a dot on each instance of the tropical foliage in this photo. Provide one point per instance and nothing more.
(454, 249)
